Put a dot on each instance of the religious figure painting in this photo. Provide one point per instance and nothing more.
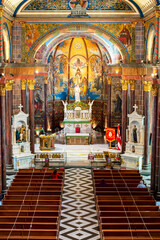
(124, 36)
(38, 103)
(60, 73)
(117, 104)
(95, 77)
(21, 132)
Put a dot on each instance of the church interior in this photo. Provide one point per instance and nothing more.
(80, 119)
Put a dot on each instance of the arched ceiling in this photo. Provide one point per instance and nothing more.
(142, 6)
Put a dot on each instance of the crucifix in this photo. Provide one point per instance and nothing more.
(135, 107)
(20, 107)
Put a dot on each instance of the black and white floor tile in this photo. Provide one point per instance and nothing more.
(78, 217)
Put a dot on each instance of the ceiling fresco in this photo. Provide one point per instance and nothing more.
(16, 6)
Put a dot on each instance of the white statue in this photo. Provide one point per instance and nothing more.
(90, 108)
(65, 105)
(77, 93)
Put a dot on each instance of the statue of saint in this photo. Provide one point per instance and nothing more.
(78, 76)
(135, 134)
(118, 104)
(77, 93)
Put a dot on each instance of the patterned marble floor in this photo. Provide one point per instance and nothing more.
(78, 217)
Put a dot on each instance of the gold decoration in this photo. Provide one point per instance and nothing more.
(109, 80)
(147, 86)
(45, 80)
(22, 24)
(23, 84)
(31, 84)
(157, 13)
(134, 24)
(155, 90)
(2, 89)
(124, 84)
(9, 85)
(132, 85)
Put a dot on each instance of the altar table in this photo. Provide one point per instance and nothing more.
(78, 139)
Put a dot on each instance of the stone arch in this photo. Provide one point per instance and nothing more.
(84, 28)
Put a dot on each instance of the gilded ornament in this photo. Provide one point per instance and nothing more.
(155, 90)
(9, 85)
(31, 84)
(45, 80)
(124, 84)
(23, 84)
(132, 85)
(147, 86)
(2, 90)
(109, 80)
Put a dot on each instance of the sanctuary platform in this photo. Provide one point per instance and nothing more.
(73, 155)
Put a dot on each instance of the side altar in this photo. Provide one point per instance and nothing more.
(77, 121)
(134, 154)
(22, 156)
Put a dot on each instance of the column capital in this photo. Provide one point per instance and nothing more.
(9, 85)
(23, 84)
(31, 84)
(109, 80)
(45, 80)
(22, 23)
(134, 24)
(147, 86)
(132, 84)
(157, 12)
(124, 84)
(155, 88)
(2, 89)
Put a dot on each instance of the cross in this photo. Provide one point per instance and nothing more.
(20, 107)
(135, 107)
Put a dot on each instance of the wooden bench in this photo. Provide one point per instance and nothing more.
(32, 206)
(125, 211)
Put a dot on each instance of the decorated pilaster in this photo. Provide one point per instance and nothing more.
(3, 135)
(154, 123)
(45, 104)
(23, 95)
(157, 170)
(132, 95)
(124, 112)
(157, 36)
(109, 80)
(147, 90)
(31, 84)
(1, 34)
(9, 106)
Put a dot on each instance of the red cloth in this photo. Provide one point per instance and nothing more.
(118, 139)
(77, 129)
(55, 176)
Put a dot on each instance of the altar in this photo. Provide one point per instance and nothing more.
(77, 121)
(78, 139)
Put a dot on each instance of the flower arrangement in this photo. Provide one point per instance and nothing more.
(82, 105)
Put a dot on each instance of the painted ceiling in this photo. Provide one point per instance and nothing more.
(143, 6)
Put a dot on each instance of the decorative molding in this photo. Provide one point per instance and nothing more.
(31, 84)
(124, 85)
(2, 89)
(9, 85)
(23, 84)
(109, 80)
(132, 85)
(155, 89)
(147, 86)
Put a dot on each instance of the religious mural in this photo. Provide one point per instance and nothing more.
(119, 5)
(95, 77)
(125, 37)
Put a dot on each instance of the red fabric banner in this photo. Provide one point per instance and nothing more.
(110, 134)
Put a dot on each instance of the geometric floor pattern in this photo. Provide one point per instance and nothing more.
(78, 216)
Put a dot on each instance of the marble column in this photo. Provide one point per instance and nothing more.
(9, 106)
(147, 90)
(53, 116)
(157, 167)
(23, 95)
(124, 112)
(132, 95)
(154, 123)
(45, 104)
(3, 135)
(1, 195)
(109, 80)
(31, 84)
